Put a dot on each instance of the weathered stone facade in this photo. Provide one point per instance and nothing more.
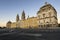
(46, 17)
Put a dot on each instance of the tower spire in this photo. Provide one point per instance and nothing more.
(17, 18)
(23, 15)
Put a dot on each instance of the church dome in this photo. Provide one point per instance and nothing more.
(47, 6)
(9, 22)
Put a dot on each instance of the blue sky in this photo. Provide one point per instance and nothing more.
(10, 8)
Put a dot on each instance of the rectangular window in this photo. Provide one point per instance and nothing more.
(43, 15)
(49, 14)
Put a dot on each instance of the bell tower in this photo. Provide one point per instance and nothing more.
(17, 18)
(23, 15)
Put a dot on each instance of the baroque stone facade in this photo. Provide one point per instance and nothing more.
(46, 17)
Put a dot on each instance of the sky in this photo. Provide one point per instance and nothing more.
(10, 8)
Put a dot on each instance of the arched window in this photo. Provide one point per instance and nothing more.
(47, 24)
